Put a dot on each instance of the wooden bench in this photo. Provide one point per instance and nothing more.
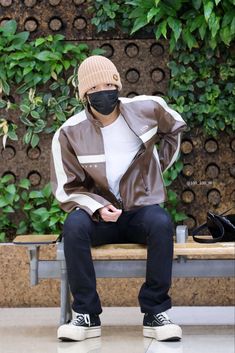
(128, 260)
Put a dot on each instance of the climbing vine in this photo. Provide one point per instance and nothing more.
(38, 79)
(190, 22)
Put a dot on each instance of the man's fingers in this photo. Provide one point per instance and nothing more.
(110, 213)
(112, 208)
(111, 216)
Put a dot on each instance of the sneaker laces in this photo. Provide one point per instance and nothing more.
(81, 319)
(163, 318)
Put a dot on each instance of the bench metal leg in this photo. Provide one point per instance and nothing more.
(34, 259)
(65, 305)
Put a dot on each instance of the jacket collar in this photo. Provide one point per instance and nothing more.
(91, 118)
(123, 111)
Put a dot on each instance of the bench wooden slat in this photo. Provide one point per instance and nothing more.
(205, 249)
(138, 251)
(36, 239)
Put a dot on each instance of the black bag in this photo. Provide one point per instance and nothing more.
(221, 227)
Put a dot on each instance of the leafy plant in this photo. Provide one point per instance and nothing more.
(173, 202)
(7, 129)
(43, 214)
(8, 201)
(202, 89)
(107, 14)
(210, 21)
(39, 211)
(27, 68)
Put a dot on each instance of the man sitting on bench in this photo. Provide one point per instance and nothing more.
(106, 172)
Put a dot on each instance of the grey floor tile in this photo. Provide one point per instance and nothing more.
(42, 339)
(199, 339)
(125, 339)
(34, 331)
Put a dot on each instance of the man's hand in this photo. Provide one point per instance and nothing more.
(110, 213)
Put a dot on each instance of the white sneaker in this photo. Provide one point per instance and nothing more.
(82, 327)
(160, 327)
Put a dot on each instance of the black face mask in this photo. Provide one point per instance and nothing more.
(104, 102)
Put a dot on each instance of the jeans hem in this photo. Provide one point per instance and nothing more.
(157, 309)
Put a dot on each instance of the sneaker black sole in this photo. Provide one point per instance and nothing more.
(172, 339)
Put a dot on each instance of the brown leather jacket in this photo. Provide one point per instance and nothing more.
(78, 173)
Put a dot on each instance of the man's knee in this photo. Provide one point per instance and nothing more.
(158, 219)
(77, 224)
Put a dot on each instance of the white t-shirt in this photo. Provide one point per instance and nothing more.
(120, 145)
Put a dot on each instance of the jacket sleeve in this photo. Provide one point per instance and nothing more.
(170, 127)
(69, 180)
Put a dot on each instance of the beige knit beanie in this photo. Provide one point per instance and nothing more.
(96, 70)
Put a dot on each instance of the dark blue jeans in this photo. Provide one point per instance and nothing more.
(149, 225)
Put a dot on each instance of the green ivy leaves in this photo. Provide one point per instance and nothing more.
(173, 201)
(212, 21)
(41, 212)
(107, 13)
(27, 68)
(9, 28)
(202, 89)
